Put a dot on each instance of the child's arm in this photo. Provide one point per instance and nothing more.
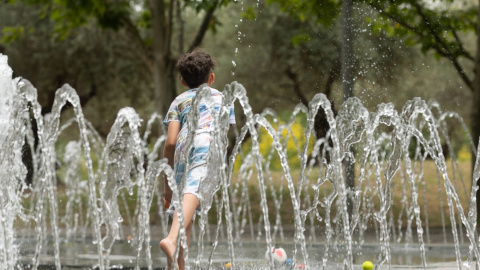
(169, 153)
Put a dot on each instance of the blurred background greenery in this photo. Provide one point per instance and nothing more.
(121, 53)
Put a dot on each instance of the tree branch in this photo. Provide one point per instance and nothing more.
(203, 27)
(296, 85)
(395, 19)
(181, 27)
(85, 98)
(444, 52)
(157, 8)
(460, 45)
(443, 49)
(168, 38)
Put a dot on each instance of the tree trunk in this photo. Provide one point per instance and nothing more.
(475, 124)
(164, 81)
(475, 111)
(347, 82)
(163, 65)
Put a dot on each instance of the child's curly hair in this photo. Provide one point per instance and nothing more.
(195, 67)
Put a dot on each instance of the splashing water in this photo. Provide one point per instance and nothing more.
(269, 161)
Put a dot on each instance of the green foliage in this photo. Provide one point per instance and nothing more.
(76, 13)
(300, 38)
(68, 15)
(11, 34)
(145, 20)
(250, 13)
(88, 59)
(433, 28)
(206, 4)
(319, 11)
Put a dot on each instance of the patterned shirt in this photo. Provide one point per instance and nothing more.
(178, 111)
(181, 106)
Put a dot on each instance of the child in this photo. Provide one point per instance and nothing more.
(196, 68)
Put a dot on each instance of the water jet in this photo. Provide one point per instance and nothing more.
(92, 222)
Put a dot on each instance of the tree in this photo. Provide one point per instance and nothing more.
(149, 26)
(98, 63)
(437, 28)
(434, 25)
(306, 50)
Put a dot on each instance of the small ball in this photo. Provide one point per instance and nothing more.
(228, 265)
(279, 256)
(367, 265)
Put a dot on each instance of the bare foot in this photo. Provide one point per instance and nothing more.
(168, 247)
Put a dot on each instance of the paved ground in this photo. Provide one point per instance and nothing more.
(82, 254)
(260, 266)
(440, 266)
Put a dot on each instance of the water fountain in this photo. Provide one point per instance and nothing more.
(92, 223)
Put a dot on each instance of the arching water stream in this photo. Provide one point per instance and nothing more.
(272, 172)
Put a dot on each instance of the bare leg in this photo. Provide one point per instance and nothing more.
(181, 260)
(169, 244)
